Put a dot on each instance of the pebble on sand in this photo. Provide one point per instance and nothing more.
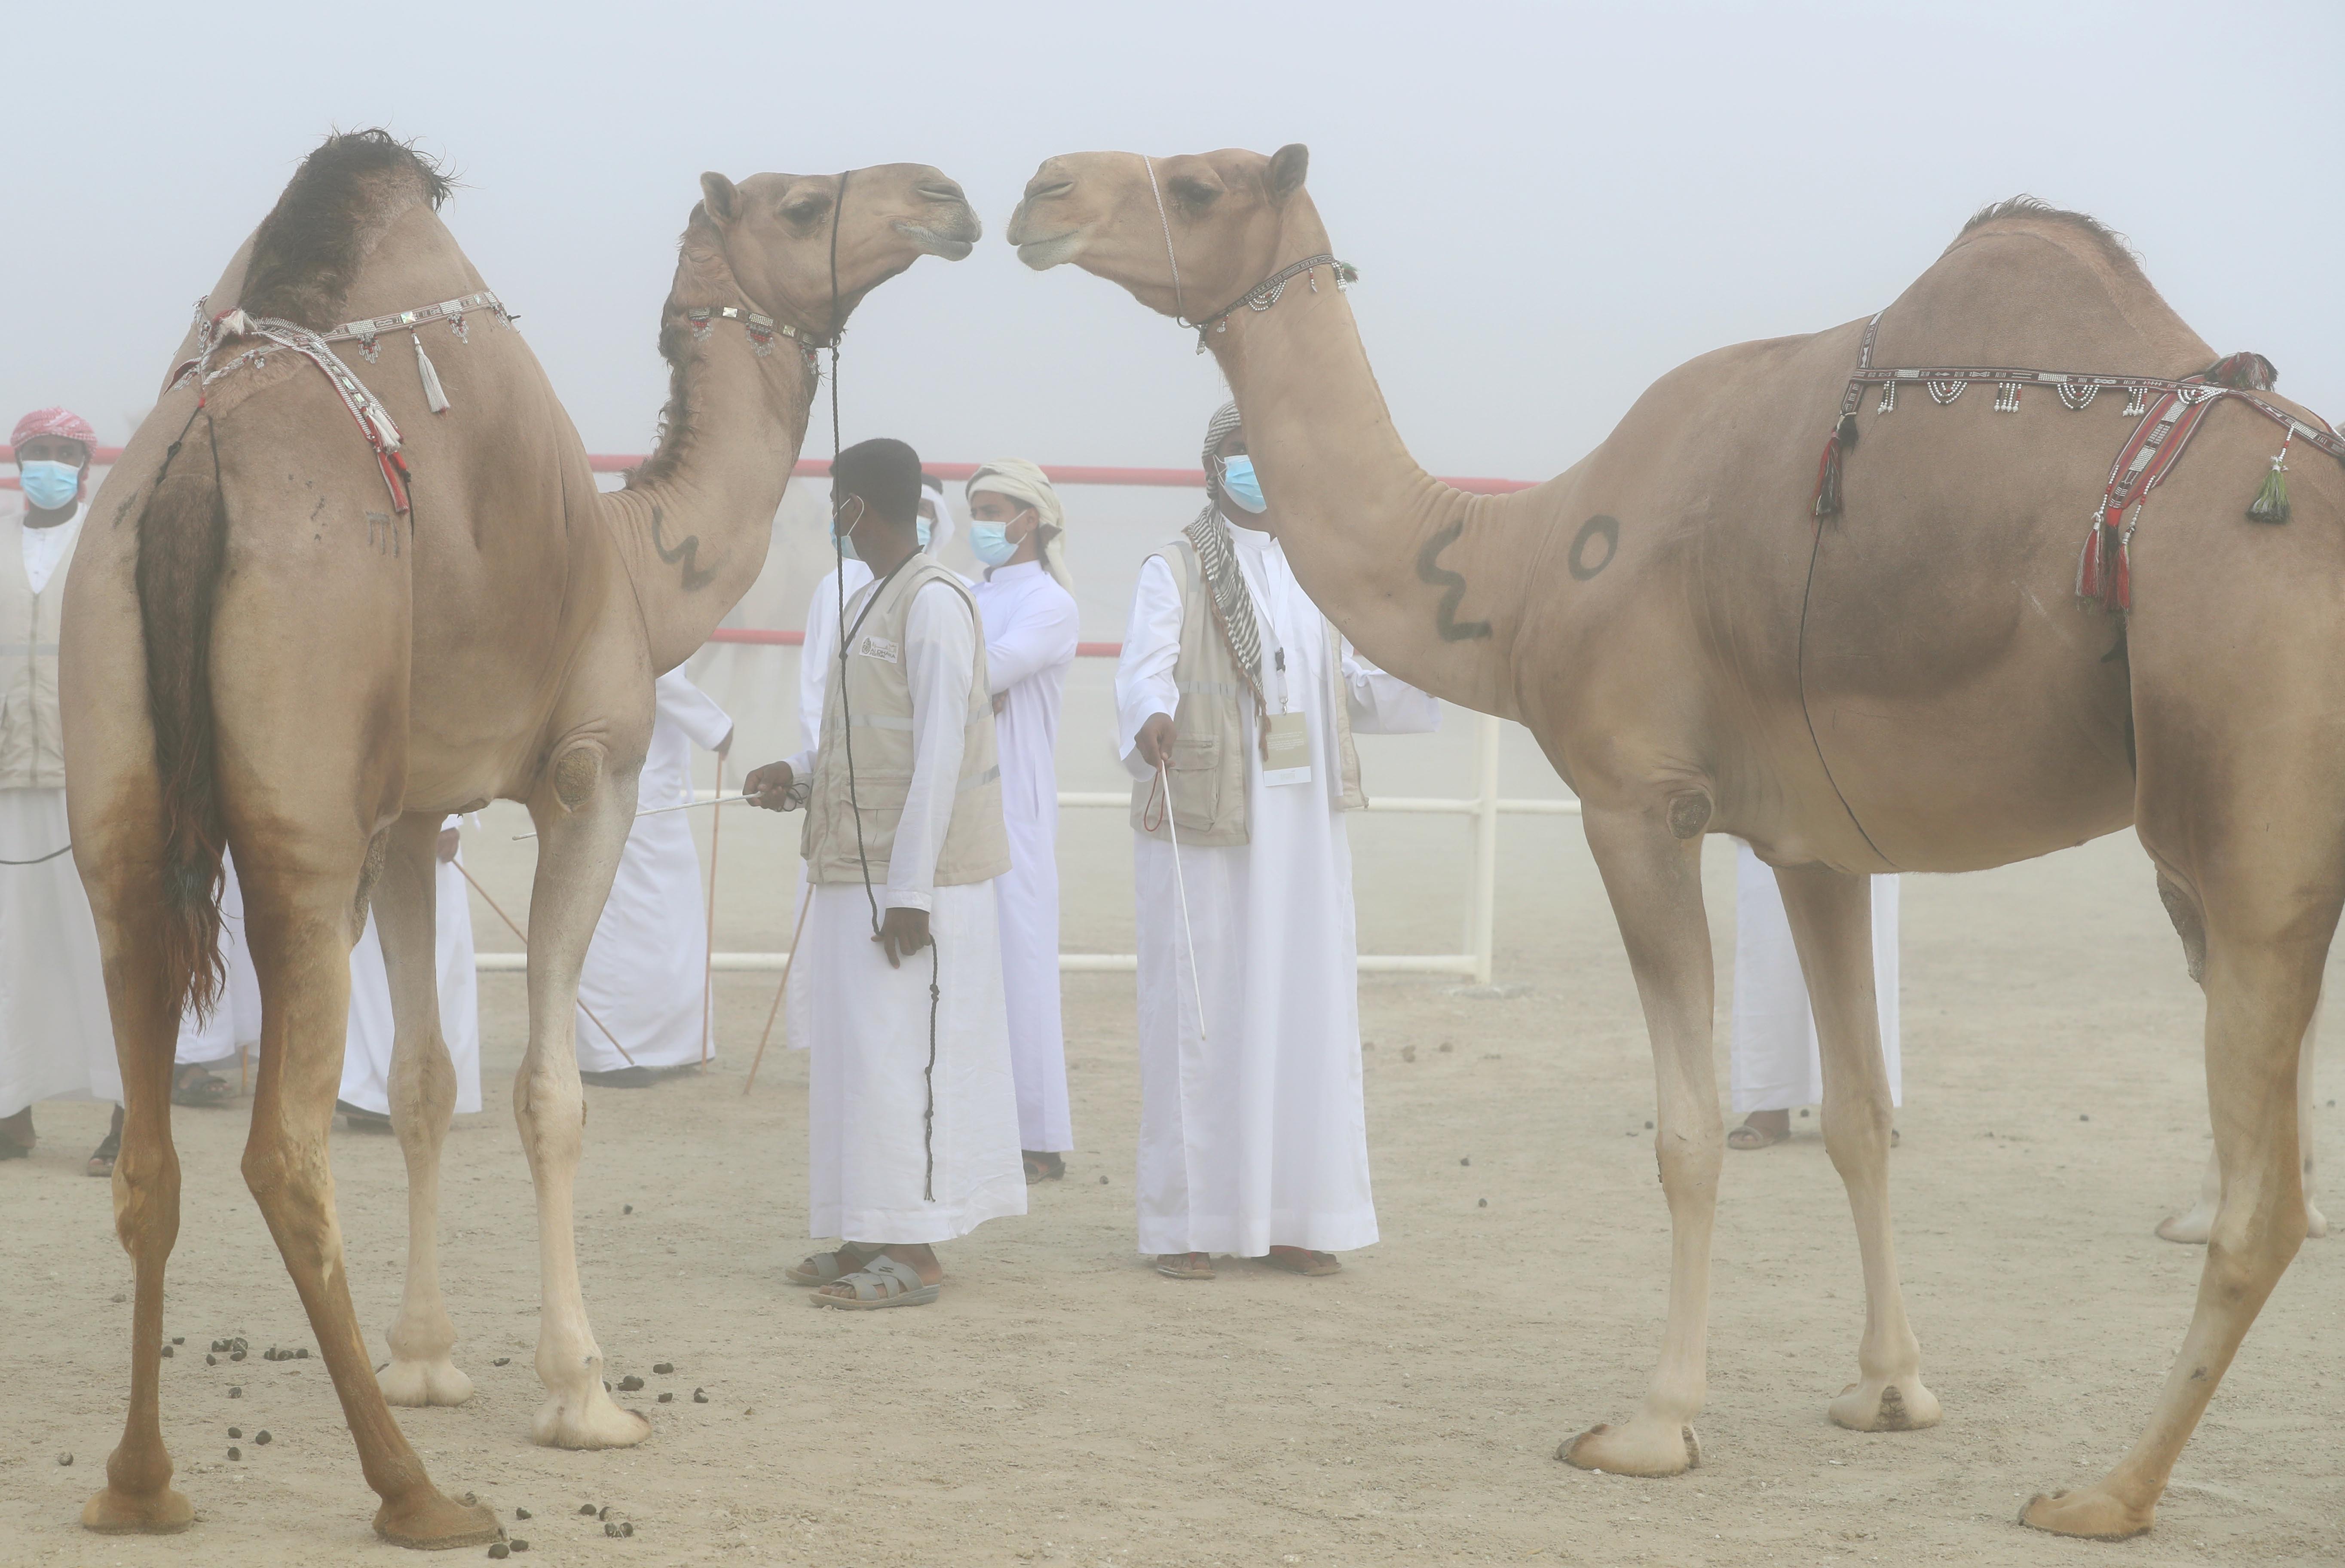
(585, 1508)
(64, 1458)
(234, 1433)
(521, 1513)
(2083, 1119)
(167, 1350)
(626, 1209)
(1102, 1181)
(502, 1362)
(663, 1368)
(699, 1398)
(235, 1355)
(236, 1394)
(182, 1339)
(666, 1399)
(261, 1438)
(1408, 1052)
(1481, 1203)
(211, 1361)
(235, 1452)
(1466, 1160)
(519, 1544)
(1648, 1127)
(498, 1549)
(1445, 1047)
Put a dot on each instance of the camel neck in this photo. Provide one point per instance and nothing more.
(1427, 580)
(694, 521)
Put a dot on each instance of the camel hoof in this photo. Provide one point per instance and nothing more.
(431, 1522)
(413, 1384)
(2190, 1229)
(1643, 1447)
(112, 1513)
(1900, 1406)
(2092, 1515)
(596, 1421)
(2315, 1224)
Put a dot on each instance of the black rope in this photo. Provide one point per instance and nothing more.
(52, 854)
(928, 1077)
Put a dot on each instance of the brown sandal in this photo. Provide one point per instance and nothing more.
(1303, 1260)
(1185, 1264)
(1747, 1136)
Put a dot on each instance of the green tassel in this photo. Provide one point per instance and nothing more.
(2270, 504)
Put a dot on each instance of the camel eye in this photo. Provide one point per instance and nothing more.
(1195, 193)
(808, 210)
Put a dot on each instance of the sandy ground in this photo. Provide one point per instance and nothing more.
(1063, 1403)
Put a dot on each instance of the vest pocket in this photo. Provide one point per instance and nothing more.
(1197, 781)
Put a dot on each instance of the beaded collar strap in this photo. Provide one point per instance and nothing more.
(2169, 412)
(761, 328)
(1264, 294)
(215, 332)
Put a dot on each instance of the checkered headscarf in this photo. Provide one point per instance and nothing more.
(1232, 605)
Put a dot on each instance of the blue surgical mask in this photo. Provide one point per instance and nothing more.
(51, 486)
(846, 536)
(924, 532)
(1241, 485)
(990, 542)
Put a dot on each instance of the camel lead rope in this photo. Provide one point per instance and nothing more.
(1180, 887)
(708, 954)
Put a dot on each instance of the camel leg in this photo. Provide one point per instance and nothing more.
(2195, 1223)
(577, 855)
(422, 1100)
(1831, 915)
(138, 1498)
(1654, 879)
(300, 925)
(2260, 995)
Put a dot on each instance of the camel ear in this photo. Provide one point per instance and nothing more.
(722, 199)
(1288, 165)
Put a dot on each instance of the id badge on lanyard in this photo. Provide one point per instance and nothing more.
(1287, 740)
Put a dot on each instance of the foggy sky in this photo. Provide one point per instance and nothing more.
(1550, 205)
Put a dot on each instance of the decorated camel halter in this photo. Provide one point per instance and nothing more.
(761, 329)
(1262, 296)
(215, 332)
(2170, 414)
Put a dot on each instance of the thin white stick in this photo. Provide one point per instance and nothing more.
(1181, 885)
(662, 810)
(708, 953)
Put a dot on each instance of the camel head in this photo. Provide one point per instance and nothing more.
(1226, 213)
(774, 233)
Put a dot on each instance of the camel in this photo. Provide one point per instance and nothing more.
(1704, 643)
(283, 640)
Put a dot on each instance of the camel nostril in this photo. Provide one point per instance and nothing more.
(1038, 193)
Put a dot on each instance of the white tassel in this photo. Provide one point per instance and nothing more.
(435, 397)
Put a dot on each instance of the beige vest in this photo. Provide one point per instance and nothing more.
(878, 689)
(1209, 762)
(31, 756)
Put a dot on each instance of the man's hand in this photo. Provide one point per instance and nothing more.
(1154, 741)
(448, 842)
(903, 933)
(769, 786)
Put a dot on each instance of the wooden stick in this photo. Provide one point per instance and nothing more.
(708, 956)
(501, 914)
(795, 937)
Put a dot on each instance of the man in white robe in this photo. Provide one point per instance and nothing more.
(231, 1028)
(1775, 1064)
(1018, 531)
(56, 1038)
(1254, 1131)
(364, 1099)
(912, 1132)
(646, 972)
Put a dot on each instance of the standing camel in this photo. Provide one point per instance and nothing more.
(1876, 664)
(288, 640)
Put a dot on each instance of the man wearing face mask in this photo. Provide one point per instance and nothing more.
(56, 1041)
(1236, 703)
(897, 987)
(1018, 529)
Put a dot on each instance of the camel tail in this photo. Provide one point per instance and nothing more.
(182, 543)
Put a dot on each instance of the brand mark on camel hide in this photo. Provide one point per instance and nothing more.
(1429, 570)
(382, 534)
(1597, 528)
(687, 552)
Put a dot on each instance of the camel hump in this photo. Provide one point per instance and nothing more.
(2028, 284)
(308, 250)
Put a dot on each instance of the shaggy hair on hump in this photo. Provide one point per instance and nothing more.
(2112, 243)
(308, 250)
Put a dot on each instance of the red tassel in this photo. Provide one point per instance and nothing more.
(2088, 566)
(2120, 598)
(1827, 502)
(2104, 572)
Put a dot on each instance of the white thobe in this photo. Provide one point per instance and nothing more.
(816, 658)
(647, 968)
(1030, 629)
(56, 1040)
(870, 1089)
(1775, 1063)
(1254, 1134)
(234, 1023)
(366, 1051)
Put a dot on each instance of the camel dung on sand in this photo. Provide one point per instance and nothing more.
(1889, 657)
(328, 596)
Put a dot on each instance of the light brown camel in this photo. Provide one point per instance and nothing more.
(1907, 686)
(263, 650)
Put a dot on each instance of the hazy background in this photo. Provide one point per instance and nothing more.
(1549, 204)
